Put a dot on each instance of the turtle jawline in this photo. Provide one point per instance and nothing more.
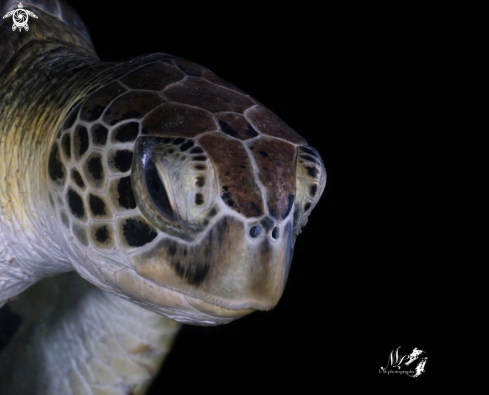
(167, 301)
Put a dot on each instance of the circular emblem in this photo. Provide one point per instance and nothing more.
(20, 18)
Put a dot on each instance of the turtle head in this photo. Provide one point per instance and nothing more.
(181, 193)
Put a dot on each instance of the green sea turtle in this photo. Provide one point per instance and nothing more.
(167, 188)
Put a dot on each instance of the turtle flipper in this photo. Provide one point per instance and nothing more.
(75, 338)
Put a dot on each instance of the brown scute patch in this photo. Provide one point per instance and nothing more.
(131, 105)
(96, 168)
(211, 97)
(154, 76)
(76, 176)
(75, 201)
(102, 235)
(99, 134)
(66, 144)
(121, 194)
(81, 142)
(174, 119)
(126, 132)
(121, 160)
(96, 103)
(137, 232)
(189, 68)
(56, 168)
(97, 206)
(276, 160)
(235, 174)
(266, 122)
(236, 126)
(211, 77)
(93, 170)
(126, 197)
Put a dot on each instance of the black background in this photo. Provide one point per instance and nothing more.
(363, 87)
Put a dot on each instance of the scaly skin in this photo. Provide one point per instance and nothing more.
(198, 225)
(37, 88)
(49, 75)
(76, 339)
(36, 77)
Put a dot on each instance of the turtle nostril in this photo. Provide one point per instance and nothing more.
(275, 233)
(255, 231)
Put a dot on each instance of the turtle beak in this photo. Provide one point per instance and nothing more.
(237, 266)
(216, 310)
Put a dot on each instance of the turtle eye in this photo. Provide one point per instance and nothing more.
(157, 190)
(310, 182)
(174, 185)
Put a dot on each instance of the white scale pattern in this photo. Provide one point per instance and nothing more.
(104, 346)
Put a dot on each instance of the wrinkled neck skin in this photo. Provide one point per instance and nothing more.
(38, 86)
(28, 240)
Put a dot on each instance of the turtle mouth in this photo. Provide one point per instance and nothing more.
(173, 304)
(233, 266)
(216, 310)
